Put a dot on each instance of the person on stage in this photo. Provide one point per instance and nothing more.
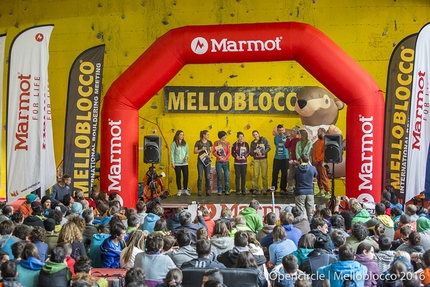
(318, 157)
(290, 144)
(154, 185)
(280, 162)
(259, 148)
(221, 150)
(240, 153)
(203, 149)
(179, 158)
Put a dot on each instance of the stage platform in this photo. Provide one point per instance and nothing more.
(235, 202)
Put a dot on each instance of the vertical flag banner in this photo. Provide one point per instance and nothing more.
(2, 50)
(30, 149)
(82, 118)
(418, 170)
(397, 110)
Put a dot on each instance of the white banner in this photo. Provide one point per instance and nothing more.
(419, 125)
(2, 49)
(30, 148)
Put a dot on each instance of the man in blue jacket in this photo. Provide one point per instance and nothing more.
(304, 175)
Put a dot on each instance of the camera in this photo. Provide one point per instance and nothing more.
(342, 198)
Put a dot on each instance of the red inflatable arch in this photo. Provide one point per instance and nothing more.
(237, 43)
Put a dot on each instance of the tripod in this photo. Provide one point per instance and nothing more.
(332, 201)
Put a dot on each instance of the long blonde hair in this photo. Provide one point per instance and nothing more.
(69, 233)
(135, 239)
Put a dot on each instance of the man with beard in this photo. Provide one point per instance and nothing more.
(318, 157)
(60, 190)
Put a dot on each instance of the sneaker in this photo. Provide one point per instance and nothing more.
(208, 193)
(219, 193)
(179, 192)
(243, 192)
(200, 193)
(237, 192)
(187, 192)
(227, 193)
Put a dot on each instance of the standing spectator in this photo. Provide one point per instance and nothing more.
(203, 149)
(25, 207)
(318, 157)
(55, 272)
(60, 190)
(280, 162)
(135, 245)
(111, 247)
(258, 150)
(29, 268)
(240, 153)
(179, 158)
(186, 223)
(304, 145)
(268, 224)
(365, 255)
(304, 175)
(37, 236)
(221, 151)
(253, 220)
(281, 246)
(290, 144)
(350, 269)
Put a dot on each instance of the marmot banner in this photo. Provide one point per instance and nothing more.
(82, 118)
(418, 168)
(2, 49)
(30, 149)
(397, 109)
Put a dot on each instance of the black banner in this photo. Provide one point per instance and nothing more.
(82, 118)
(251, 100)
(397, 107)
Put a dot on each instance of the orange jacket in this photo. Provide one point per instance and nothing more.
(318, 155)
(147, 193)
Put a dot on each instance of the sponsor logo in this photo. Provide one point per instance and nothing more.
(366, 198)
(366, 170)
(114, 175)
(421, 109)
(39, 37)
(200, 45)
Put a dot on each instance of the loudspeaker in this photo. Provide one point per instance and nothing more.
(333, 148)
(152, 149)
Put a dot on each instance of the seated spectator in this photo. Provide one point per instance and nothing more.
(226, 217)
(153, 257)
(173, 221)
(168, 243)
(161, 227)
(70, 233)
(385, 220)
(25, 207)
(425, 275)
(338, 239)
(240, 225)
(35, 219)
(338, 223)
(365, 255)
(51, 237)
(3, 257)
(29, 267)
(246, 260)
(255, 248)
(141, 212)
(253, 220)
(95, 252)
(404, 220)
(411, 210)
(70, 262)
(292, 232)
(385, 256)
(22, 231)
(17, 217)
(152, 217)
(423, 228)
(55, 272)
(111, 247)
(37, 236)
(135, 245)
(17, 249)
(346, 267)
(397, 273)
(361, 214)
(212, 274)
(102, 203)
(6, 212)
(301, 222)
(82, 267)
(58, 218)
(46, 205)
(203, 248)
(413, 244)
(9, 274)
(269, 223)
(378, 230)
(396, 212)
(306, 246)
(186, 251)
(135, 275)
(6, 237)
(290, 273)
(210, 224)
(359, 233)
(202, 233)
(221, 239)
(281, 246)
(186, 223)
(90, 229)
(173, 278)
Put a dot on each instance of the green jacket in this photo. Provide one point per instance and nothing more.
(178, 154)
(253, 220)
(361, 216)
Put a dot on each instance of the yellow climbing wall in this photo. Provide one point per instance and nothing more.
(367, 30)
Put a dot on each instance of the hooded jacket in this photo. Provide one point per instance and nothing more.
(149, 222)
(301, 254)
(229, 258)
(304, 176)
(317, 258)
(28, 271)
(222, 244)
(173, 222)
(302, 223)
(6, 242)
(264, 231)
(384, 259)
(54, 274)
(110, 253)
(423, 228)
(292, 233)
(33, 220)
(372, 270)
(361, 216)
(182, 255)
(389, 225)
(353, 269)
(253, 220)
(95, 252)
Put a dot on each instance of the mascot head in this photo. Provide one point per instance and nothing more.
(317, 106)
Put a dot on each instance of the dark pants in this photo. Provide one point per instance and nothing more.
(184, 170)
(280, 165)
(240, 171)
(207, 170)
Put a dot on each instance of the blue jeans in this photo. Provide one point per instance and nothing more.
(223, 166)
(207, 169)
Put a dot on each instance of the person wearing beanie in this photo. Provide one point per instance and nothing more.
(76, 208)
(51, 237)
(46, 205)
(221, 150)
(35, 219)
(25, 207)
